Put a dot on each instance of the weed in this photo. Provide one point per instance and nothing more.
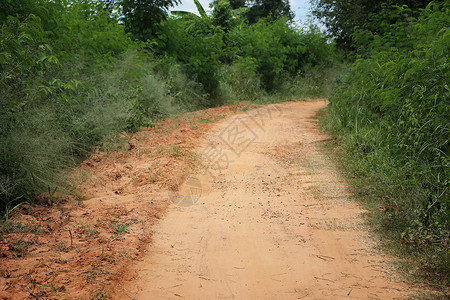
(86, 231)
(94, 272)
(430, 264)
(390, 116)
(123, 253)
(152, 179)
(62, 247)
(120, 228)
(80, 176)
(176, 149)
(19, 227)
(160, 150)
(98, 294)
(51, 193)
(57, 289)
(119, 190)
(19, 250)
(204, 120)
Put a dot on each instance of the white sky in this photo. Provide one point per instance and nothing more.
(301, 8)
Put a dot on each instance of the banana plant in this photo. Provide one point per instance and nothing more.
(236, 13)
(189, 15)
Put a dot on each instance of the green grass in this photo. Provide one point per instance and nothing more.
(381, 185)
(121, 228)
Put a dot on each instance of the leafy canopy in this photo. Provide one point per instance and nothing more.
(341, 17)
(260, 9)
(142, 18)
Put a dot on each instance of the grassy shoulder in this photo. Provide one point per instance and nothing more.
(379, 184)
(389, 118)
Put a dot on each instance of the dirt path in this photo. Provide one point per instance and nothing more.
(273, 221)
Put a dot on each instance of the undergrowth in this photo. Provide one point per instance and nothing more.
(391, 118)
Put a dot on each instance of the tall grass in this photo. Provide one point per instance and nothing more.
(48, 137)
(314, 82)
(240, 81)
(391, 115)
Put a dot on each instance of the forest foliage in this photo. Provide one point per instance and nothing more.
(341, 18)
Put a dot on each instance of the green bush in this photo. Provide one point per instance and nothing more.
(240, 81)
(315, 82)
(279, 49)
(59, 99)
(197, 48)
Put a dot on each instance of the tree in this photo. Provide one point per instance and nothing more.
(259, 9)
(222, 15)
(143, 17)
(13, 8)
(235, 4)
(264, 8)
(341, 17)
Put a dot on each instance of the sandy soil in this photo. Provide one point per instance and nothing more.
(266, 217)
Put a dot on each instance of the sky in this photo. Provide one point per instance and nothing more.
(301, 8)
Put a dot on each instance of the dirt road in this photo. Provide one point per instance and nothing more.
(268, 217)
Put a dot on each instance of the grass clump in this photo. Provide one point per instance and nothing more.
(121, 228)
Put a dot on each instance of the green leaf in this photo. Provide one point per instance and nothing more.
(200, 9)
(184, 14)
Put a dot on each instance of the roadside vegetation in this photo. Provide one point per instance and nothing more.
(391, 116)
(77, 74)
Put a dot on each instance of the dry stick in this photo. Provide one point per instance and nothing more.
(348, 294)
(323, 257)
(323, 279)
(177, 285)
(71, 239)
(275, 279)
(271, 277)
(368, 266)
(204, 278)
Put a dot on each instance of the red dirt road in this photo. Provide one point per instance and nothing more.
(267, 217)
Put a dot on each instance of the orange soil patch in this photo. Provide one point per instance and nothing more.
(76, 249)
